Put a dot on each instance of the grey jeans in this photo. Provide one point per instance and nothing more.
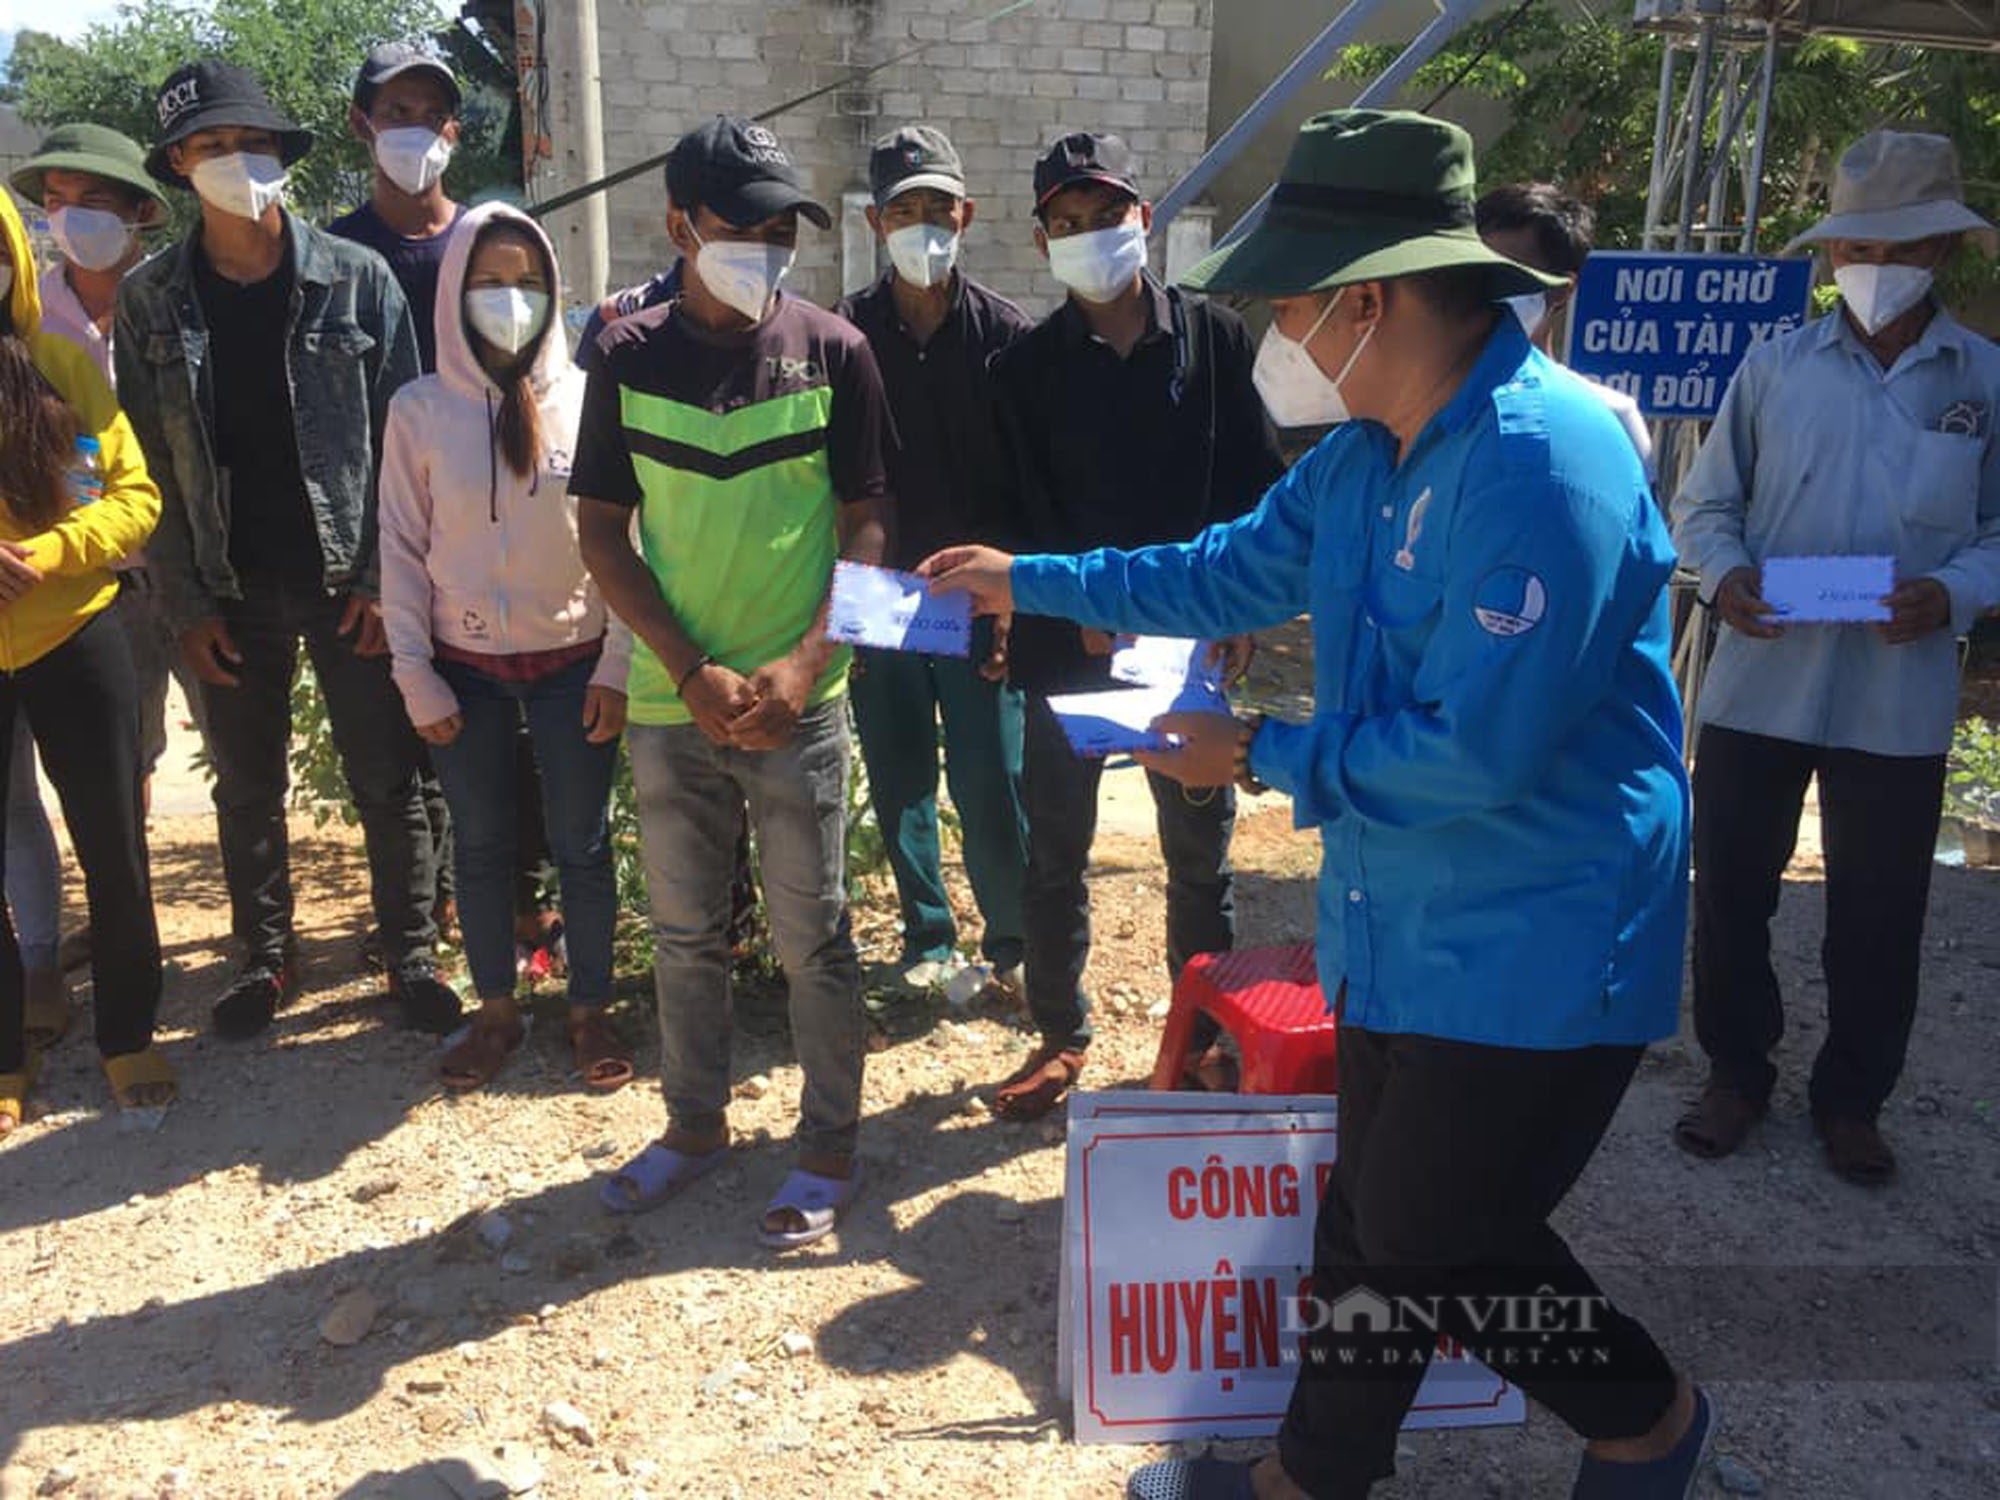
(690, 790)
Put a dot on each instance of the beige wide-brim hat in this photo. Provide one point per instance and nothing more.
(1898, 186)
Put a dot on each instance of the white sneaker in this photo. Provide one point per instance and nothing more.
(967, 985)
(931, 974)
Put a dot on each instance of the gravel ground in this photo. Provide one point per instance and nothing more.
(320, 1277)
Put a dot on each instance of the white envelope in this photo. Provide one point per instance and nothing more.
(1829, 590)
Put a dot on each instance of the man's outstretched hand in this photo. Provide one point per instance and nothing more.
(985, 573)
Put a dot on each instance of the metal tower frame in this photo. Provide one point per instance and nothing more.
(1452, 17)
(1710, 127)
(1705, 194)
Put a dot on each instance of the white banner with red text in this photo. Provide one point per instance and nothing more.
(1188, 1222)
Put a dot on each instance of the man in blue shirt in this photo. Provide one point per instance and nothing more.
(1494, 770)
(1868, 433)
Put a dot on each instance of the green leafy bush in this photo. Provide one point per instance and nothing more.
(1972, 778)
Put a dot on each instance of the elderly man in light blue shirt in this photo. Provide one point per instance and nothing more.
(1869, 433)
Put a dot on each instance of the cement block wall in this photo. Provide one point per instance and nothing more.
(1137, 67)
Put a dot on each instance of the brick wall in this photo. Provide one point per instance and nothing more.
(1137, 67)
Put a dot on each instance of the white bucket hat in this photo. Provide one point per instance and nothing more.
(1898, 186)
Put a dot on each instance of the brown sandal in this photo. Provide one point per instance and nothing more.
(601, 1057)
(1039, 1084)
(477, 1060)
(1718, 1122)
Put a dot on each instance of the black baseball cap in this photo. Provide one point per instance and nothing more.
(1084, 157)
(736, 169)
(392, 60)
(211, 93)
(914, 157)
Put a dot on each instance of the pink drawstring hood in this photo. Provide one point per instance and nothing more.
(475, 556)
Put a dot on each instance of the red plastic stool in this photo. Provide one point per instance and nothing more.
(1270, 1001)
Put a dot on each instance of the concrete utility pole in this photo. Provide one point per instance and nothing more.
(591, 237)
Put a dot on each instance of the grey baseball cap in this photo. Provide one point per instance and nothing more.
(392, 60)
(916, 156)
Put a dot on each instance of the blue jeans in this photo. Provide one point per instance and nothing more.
(691, 795)
(899, 698)
(478, 771)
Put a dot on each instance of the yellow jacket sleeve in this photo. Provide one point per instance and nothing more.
(95, 536)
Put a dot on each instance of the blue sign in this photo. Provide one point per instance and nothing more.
(1670, 330)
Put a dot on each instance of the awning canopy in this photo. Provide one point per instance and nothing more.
(1970, 24)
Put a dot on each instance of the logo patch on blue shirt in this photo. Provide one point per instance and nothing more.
(1509, 602)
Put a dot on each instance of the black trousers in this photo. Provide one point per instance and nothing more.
(82, 702)
(1452, 1157)
(1059, 791)
(1878, 825)
(249, 729)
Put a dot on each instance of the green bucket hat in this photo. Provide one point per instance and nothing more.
(1366, 194)
(97, 149)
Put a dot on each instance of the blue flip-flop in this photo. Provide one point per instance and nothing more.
(1201, 1478)
(655, 1175)
(820, 1201)
(1672, 1477)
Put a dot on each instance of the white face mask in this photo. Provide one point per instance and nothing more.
(93, 238)
(1296, 391)
(1531, 309)
(412, 157)
(507, 317)
(743, 274)
(1102, 265)
(1878, 295)
(241, 183)
(923, 254)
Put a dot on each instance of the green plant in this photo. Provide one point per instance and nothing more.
(1972, 777)
(867, 850)
(318, 783)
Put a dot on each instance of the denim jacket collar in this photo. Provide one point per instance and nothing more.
(312, 256)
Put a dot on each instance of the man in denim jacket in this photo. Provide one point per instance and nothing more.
(256, 360)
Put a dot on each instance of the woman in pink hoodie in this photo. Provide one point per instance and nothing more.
(491, 615)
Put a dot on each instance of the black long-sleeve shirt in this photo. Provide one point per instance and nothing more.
(940, 394)
(1109, 452)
